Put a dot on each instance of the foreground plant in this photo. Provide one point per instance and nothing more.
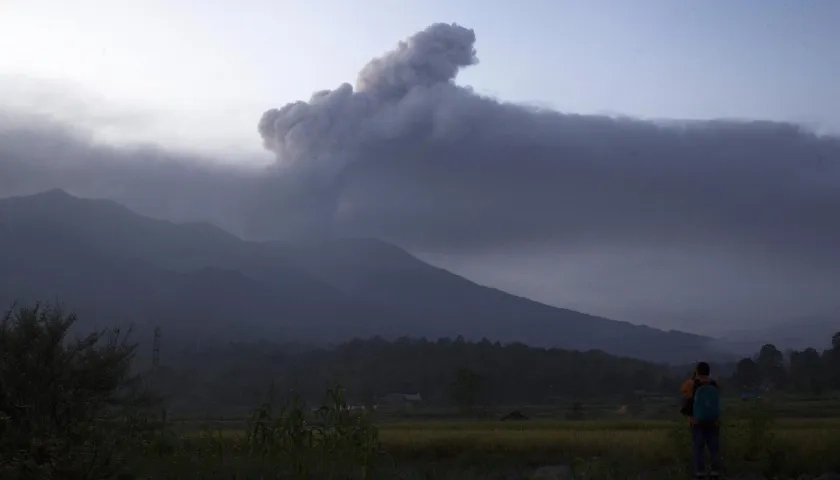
(64, 405)
(335, 440)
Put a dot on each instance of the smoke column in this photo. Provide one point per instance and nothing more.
(403, 91)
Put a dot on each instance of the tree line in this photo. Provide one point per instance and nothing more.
(456, 372)
(800, 371)
(444, 372)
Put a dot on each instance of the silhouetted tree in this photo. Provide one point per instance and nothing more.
(748, 373)
(771, 362)
(63, 404)
(466, 388)
(832, 360)
(770, 357)
(807, 371)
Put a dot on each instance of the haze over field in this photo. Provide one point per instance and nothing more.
(707, 226)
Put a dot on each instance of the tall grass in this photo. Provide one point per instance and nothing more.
(333, 442)
(288, 442)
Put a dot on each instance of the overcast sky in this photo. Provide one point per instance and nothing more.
(219, 63)
(699, 227)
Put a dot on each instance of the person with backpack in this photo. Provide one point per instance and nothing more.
(701, 404)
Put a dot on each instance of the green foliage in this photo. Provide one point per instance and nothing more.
(73, 409)
(753, 441)
(513, 374)
(771, 363)
(510, 375)
(64, 405)
(747, 374)
(751, 435)
(466, 389)
(336, 439)
(292, 441)
(807, 371)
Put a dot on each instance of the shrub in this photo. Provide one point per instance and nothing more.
(336, 439)
(63, 403)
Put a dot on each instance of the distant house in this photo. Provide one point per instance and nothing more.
(403, 400)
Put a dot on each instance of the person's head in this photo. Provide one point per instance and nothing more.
(702, 369)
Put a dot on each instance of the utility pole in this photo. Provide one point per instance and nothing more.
(156, 350)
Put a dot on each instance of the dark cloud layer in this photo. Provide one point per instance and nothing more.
(410, 156)
(38, 154)
(421, 160)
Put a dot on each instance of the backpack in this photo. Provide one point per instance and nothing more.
(706, 402)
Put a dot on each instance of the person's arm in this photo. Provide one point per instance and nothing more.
(687, 388)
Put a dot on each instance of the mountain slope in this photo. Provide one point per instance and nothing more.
(116, 267)
(383, 274)
(195, 277)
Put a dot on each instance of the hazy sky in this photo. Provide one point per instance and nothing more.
(725, 222)
(192, 73)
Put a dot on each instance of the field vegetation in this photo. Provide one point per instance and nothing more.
(74, 410)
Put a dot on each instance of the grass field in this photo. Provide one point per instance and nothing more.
(756, 438)
(795, 444)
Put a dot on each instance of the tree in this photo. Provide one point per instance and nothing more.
(807, 371)
(771, 362)
(466, 388)
(770, 357)
(832, 360)
(748, 373)
(61, 402)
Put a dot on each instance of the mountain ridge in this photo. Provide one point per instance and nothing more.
(324, 290)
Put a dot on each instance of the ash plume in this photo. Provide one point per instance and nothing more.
(468, 170)
(405, 91)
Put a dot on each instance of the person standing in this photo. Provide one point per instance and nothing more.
(701, 404)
